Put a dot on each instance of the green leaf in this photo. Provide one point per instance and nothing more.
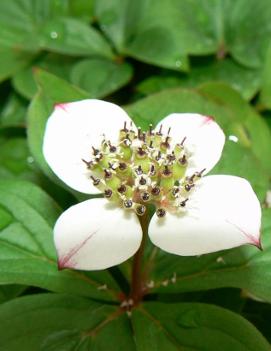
(13, 112)
(12, 61)
(63, 323)
(246, 30)
(193, 326)
(82, 9)
(73, 37)
(9, 292)
(238, 120)
(245, 81)
(265, 95)
(15, 160)
(27, 252)
(52, 90)
(68, 323)
(24, 81)
(43, 25)
(245, 267)
(196, 27)
(100, 77)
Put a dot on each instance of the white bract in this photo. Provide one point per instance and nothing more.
(94, 147)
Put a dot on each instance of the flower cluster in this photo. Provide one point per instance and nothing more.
(94, 147)
(143, 168)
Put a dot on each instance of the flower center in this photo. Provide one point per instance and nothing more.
(143, 168)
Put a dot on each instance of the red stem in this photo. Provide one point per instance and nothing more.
(138, 279)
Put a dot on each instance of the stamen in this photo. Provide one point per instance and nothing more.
(199, 174)
(182, 142)
(124, 127)
(122, 189)
(88, 163)
(144, 137)
(95, 151)
(155, 191)
(188, 187)
(122, 166)
(140, 210)
(160, 212)
(145, 196)
(183, 203)
(112, 148)
(96, 181)
(141, 152)
(139, 170)
(150, 129)
(171, 157)
(183, 160)
(142, 181)
(152, 171)
(128, 203)
(108, 193)
(160, 130)
(169, 129)
(167, 172)
(175, 191)
(158, 157)
(139, 133)
(107, 174)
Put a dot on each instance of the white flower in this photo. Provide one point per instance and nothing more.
(93, 146)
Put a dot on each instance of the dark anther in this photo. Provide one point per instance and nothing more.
(151, 144)
(108, 193)
(171, 157)
(139, 170)
(157, 158)
(145, 196)
(95, 151)
(127, 142)
(122, 189)
(183, 160)
(150, 129)
(160, 130)
(191, 179)
(139, 133)
(141, 152)
(182, 142)
(175, 191)
(165, 143)
(124, 127)
(96, 181)
(152, 171)
(112, 148)
(144, 137)
(160, 212)
(183, 203)
(167, 172)
(188, 186)
(199, 174)
(155, 191)
(128, 203)
(140, 210)
(142, 181)
(88, 163)
(107, 174)
(122, 166)
(169, 129)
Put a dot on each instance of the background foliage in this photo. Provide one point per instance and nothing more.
(153, 57)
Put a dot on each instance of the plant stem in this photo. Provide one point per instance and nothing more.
(138, 279)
